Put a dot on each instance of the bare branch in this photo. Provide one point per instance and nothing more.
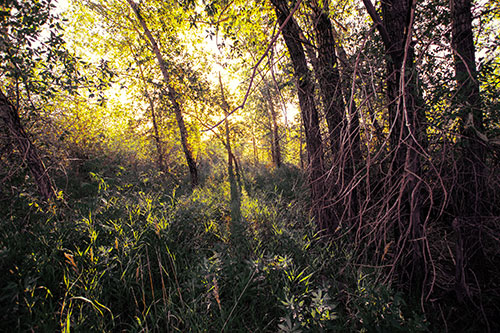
(378, 23)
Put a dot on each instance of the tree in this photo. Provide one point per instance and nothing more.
(342, 127)
(468, 100)
(18, 136)
(396, 30)
(156, 132)
(231, 164)
(172, 95)
(327, 73)
(267, 103)
(32, 67)
(469, 194)
(326, 218)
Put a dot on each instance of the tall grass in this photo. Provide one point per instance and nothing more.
(125, 252)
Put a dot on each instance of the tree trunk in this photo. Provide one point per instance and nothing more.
(324, 214)
(275, 139)
(301, 149)
(254, 145)
(10, 116)
(405, 171)
(344, 146)
(231, 163)
(271, 138)
(172, 95)
(159, 148)
(346, 82)
(471, 163)
(468, 196)
(328, 77)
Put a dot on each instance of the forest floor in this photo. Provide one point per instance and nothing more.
(123, 250)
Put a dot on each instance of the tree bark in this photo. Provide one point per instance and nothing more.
(172, 95)
(326, 218)
(10, 116)
(327, 73)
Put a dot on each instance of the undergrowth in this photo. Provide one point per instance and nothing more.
(124, 251)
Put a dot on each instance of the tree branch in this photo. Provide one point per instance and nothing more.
(256, 66)
(378, 23)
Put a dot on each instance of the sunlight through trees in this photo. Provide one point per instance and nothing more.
(249, 165)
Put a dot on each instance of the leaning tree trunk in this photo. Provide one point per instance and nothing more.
(172, 95)
(10, 117)
(326, 218)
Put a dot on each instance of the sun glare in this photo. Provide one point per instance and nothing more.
(61, 6)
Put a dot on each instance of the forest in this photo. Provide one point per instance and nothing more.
(249, 165)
